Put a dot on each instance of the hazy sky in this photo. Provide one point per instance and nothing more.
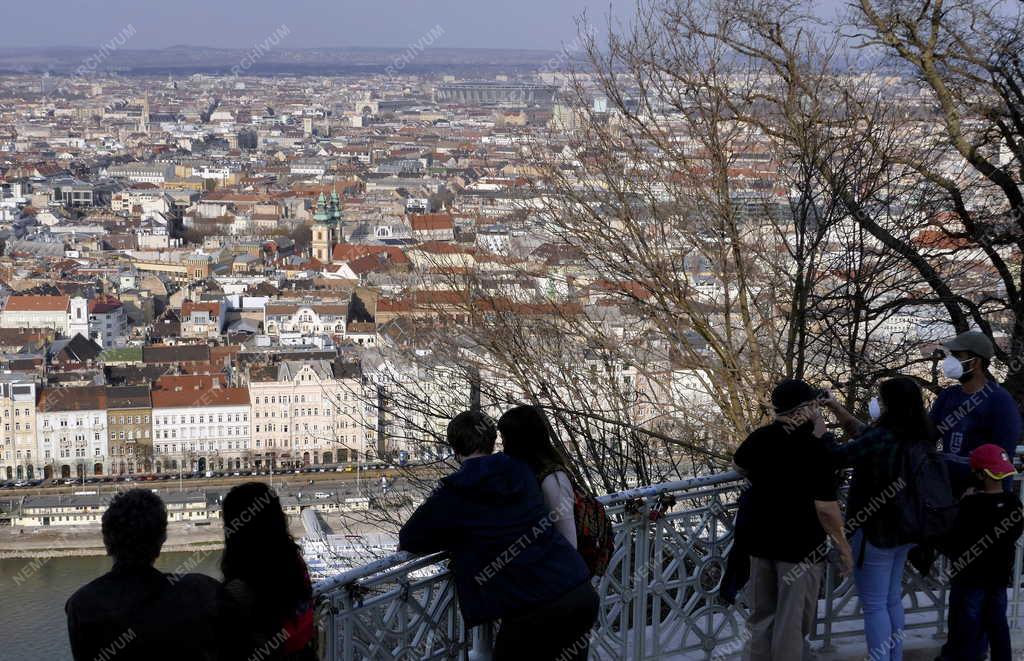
(546, 24)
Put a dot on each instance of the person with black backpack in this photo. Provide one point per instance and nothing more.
(900, 496)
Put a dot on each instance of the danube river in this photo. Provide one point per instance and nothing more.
(33, 592)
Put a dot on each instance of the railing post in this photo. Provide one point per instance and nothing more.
(639, 583)
(348, 644)
(1016, 594)
(327, 628)
(483, 642)
(830, 588)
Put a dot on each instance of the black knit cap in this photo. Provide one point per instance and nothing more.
(792, 393)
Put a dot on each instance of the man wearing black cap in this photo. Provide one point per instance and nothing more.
(792, 506)
(977, 410)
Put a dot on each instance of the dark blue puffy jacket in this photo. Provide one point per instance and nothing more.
(506, 555)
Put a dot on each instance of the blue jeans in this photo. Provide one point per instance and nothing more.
(977, 620)
(879, 582)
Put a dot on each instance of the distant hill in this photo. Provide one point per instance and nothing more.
(186, 59)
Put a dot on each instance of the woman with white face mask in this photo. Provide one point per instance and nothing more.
(899, 420)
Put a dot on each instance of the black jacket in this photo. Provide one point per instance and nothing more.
(789, 469)
(982, 543)
(141, 613)
(506, 555)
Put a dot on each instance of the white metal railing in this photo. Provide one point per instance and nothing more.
(659, 597)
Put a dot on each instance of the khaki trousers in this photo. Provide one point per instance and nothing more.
(783, 605)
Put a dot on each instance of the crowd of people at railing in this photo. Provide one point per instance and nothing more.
(525, 540)
(523, 537)
(907, 500)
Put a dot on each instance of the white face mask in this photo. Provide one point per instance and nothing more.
(952, 367)
(874, 409)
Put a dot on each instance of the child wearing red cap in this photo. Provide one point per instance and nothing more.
(981, 552)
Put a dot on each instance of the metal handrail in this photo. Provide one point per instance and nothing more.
(659, 596)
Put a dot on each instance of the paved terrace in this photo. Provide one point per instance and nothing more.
(659, 596)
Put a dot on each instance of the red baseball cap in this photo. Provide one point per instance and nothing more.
(993, 460)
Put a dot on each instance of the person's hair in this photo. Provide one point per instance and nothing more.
(470, 432)
(525, 436)
(135, 527)
(905, 415)
(259, 550)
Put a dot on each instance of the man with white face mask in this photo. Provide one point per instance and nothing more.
(975, 411)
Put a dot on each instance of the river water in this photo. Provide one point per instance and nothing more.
(33, 592)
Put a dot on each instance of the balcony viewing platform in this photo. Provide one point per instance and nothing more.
(659, 596)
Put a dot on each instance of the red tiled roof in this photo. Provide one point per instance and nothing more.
(442, 248)
(37, 303)
(200, 397)
(346, 252)
(103, 305)
(82, 398)
(431, 221)
(188, 307)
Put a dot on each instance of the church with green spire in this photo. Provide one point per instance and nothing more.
(327, 223)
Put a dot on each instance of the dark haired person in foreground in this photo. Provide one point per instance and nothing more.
(509, 561)
(266, 576)
(881, 543)
(138, 612)
(524, 435)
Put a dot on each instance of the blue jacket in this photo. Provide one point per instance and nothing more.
(968, 421)
(506, 556)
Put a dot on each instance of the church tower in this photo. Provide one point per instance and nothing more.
(322, 231)
(326, 226)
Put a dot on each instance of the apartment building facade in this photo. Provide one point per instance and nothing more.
(309, 413)
(71, 429)
(200, 428)
(129, 425)
(19, 457)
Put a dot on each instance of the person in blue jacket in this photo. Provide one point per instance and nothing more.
(508, 560)
(976, 411)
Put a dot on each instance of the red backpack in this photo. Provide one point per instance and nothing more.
(595, 537)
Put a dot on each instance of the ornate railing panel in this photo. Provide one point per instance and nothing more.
(659, 598)
(397, 608)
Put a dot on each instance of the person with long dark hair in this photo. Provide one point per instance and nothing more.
(525, 436)
(265, 574)
(880, 547)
